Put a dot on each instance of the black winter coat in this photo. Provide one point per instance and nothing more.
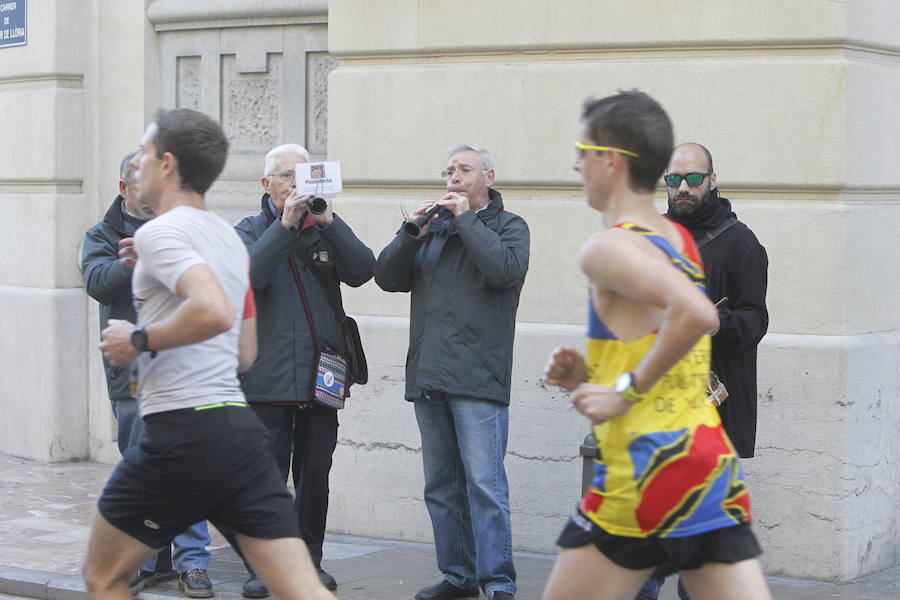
(465, 284)
(326, 257)
(108, 281)
(736, 266)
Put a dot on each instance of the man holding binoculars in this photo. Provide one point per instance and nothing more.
(294, 245)
(464, 265)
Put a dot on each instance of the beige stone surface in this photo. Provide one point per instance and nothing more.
(391, 26)
(824, 479)
(43, 376)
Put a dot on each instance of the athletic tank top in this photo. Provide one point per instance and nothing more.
(666, 467)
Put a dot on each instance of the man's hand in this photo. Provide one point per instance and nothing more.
(116, 342)
(421, 210)
(127, 254)
(294, 207)
(455, 203)
(565, 368)
(598, 403)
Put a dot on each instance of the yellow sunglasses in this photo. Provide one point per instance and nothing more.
(582, 147)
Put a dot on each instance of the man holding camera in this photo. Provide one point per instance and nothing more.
(107, 279)
(292, 248)
(465, 267)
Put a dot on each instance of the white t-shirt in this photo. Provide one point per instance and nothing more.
(167, 246)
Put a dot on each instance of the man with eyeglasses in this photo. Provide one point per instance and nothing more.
(465, 269)
(736, 272)
(668, 492)
(325, 252)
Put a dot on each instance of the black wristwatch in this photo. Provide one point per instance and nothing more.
(139, 341)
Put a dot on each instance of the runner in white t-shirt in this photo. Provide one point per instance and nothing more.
(203, 452)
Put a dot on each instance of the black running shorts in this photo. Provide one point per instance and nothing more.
(192, 465)
(728, 545)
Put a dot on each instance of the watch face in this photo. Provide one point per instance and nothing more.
(624, 382)
(139, 339)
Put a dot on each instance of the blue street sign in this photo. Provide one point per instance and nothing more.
(13, 30)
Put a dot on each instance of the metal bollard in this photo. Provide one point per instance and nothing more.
(589, 452)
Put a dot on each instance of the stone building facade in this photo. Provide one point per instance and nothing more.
(797, 101)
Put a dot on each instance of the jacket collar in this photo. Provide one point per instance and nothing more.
(118, 220)
(266, 208)
(495, 206)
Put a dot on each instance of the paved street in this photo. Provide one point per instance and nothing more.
(46, 510)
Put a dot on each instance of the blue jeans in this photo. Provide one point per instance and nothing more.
(466, 491)
(190, 546)
(650, 591)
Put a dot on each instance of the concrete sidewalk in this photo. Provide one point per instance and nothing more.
(46, 512)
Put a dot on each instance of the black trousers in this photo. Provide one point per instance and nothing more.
(303, 441)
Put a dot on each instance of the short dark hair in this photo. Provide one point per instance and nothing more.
(198, 143)
(633, 121)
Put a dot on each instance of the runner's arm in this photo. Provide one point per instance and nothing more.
(612, 261)
(205, 313)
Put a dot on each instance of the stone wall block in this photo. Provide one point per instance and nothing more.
(405, 26)
(43, 381)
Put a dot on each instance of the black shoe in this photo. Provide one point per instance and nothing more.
(147, 579)
(501, 595)
(327, 580)
(195, 583)
(445, 591)
(255, 588)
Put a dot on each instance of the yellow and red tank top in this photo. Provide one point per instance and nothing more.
(666, 467)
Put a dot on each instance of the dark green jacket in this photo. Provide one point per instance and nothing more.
(465, 283)
(108, 281)
(326, 257)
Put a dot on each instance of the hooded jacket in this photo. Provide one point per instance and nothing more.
(465, 282)
(108, 281)
(325, 257)
(736, 266)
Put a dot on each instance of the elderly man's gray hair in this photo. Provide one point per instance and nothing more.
(126, 171)
(281, 150)
(483, 155)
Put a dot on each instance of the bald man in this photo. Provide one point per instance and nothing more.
(736, 267)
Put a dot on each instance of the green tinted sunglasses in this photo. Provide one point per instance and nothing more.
(673, 180)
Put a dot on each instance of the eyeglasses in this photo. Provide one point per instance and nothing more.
(463, 170)
(673, 180)
(284, 176)
(580, 148)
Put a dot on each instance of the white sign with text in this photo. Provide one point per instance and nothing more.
(318, 178)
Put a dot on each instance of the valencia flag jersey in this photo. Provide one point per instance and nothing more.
(666, 467)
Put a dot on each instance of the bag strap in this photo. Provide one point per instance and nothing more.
(712, 234)
(309, 317)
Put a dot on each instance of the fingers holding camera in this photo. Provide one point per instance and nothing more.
(294, 208)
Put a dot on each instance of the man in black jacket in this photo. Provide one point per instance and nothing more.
(323, 249)
(736, 267)
(465, 269)
(107, 279)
